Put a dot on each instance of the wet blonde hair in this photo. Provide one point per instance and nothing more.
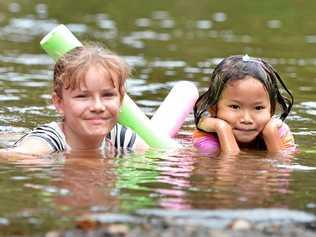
(70, 70)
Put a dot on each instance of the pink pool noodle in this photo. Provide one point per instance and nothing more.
(172, 112)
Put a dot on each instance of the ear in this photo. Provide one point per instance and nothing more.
(58, 103)
(122, 94)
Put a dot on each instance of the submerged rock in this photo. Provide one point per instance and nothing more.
(240, 224)
(197, 223)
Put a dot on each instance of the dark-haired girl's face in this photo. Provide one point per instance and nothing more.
(245, 105)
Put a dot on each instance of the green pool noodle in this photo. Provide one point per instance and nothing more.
(61, 40)
(131, 115)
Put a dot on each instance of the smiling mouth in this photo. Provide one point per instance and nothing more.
(245, 130)
(97, 120)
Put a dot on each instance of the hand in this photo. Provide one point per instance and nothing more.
(211, 124)
(271, 126)
(271, 136)
(224, 132)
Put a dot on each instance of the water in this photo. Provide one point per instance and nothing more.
(164, 41)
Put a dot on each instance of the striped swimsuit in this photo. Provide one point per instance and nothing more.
(120, 137)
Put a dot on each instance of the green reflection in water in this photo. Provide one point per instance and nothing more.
(134, 173)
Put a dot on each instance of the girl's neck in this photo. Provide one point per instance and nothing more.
(256, 144)
(245, 145)
(76, 142)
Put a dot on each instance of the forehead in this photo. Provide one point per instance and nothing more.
(248, 87)
(97, 73)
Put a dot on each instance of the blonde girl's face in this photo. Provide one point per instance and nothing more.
(91, 110)
(245, 105)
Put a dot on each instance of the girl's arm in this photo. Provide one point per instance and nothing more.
(27, 155)
(271, 135)
(224, 132)
(140, 145)
(30, 146)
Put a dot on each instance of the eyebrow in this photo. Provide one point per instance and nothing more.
(238, 102)
(85, 90)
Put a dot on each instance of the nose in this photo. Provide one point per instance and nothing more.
(97, 105)
(246, 117)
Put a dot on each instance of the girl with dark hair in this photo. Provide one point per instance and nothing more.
(239, 109)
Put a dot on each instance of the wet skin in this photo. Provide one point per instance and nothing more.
(90, 111)
(245, 106)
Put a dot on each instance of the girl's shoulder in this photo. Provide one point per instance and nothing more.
(287, 138)
(49, 135)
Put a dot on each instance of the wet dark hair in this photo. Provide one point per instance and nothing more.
(236, 68)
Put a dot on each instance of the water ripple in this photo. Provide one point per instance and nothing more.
(143, 22)
(25, 29)
(168, 63)
(135, 39)
(309, 107)
(26, 59)
(7, 97)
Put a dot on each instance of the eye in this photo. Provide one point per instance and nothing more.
(259, 107)
(234, 106)
(80, 96)
(108, 94)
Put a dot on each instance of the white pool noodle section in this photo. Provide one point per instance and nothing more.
(173, 111)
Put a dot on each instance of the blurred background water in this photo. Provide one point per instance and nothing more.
(164, 41)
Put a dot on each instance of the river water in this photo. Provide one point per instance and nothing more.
(164, 41)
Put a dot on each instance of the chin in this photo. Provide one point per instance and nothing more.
(97, 132)
(245, 140)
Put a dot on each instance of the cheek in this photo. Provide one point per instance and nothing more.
(263, 119)
(77, 108)
(113, 106)
(226, 115)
